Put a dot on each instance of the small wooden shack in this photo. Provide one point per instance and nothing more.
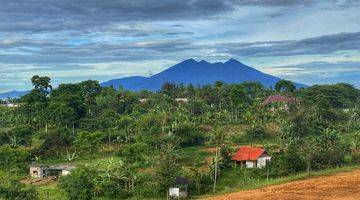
(250, 157)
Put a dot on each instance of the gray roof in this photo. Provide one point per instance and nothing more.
(56, 167)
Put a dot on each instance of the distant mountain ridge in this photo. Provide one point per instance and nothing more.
(13, 94)
(197, 73)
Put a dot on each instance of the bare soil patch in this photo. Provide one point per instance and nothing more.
(37, 182)
(342, 186)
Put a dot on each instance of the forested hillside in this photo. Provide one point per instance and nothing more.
(128, 144)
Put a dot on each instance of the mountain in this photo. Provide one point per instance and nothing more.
(13, 94)
(188, 71)
(197, 73)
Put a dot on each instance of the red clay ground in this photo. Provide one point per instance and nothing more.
(342, 186)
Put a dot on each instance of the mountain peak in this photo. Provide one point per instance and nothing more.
(191, 60)
(204, 61)
(232, 61)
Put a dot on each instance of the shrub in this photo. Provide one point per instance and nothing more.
(189, 135)
(79, 184)
(287, 161)
(330, 151)
(225, 153)
(20, 135)
(200, 182)
(256, 132)
(135, 152)
(12, 189)
(15, 159)
(88, 141)
(55, 139)
(148, 189)
(356, 158)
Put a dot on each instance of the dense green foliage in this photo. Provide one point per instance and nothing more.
(155, 138)
(12, 189)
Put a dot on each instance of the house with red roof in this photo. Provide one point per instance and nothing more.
(250, 157)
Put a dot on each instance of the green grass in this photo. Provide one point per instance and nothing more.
(194, 152)
(82, 159)
(228, 182)
(50, 192)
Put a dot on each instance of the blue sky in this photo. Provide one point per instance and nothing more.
(307, 41)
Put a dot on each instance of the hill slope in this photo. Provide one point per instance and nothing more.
(197, 73)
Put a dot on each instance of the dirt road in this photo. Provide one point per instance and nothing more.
(342, 186)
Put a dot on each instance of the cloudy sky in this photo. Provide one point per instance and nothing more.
(308, 41)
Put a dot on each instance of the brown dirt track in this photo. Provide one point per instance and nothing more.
(342, 186)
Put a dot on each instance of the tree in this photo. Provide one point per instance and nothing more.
(42, 83)
(254, 89)
(135, 152)
(108, 98)
(219, 84)
(79, 184)
(284, 85)
(126, 128)
(288, 160)
(190, 90)
(108, 122)
(238, 95)
(256, 132)
(330, 150)
(61, 114)
(15, 159)
(90, 89)
(339, 95)
(21, 135)
(88, 141)
(225, 153)
(167, 168)
(34, 107)
(169, 89)
(71, 95)
(56, 140)
(69, 98)
(306, 120)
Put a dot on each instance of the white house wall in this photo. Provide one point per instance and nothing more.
(261, 162)
(65, 172)
(249, 164)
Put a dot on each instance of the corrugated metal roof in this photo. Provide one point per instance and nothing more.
(278, 98)
(248, 153)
